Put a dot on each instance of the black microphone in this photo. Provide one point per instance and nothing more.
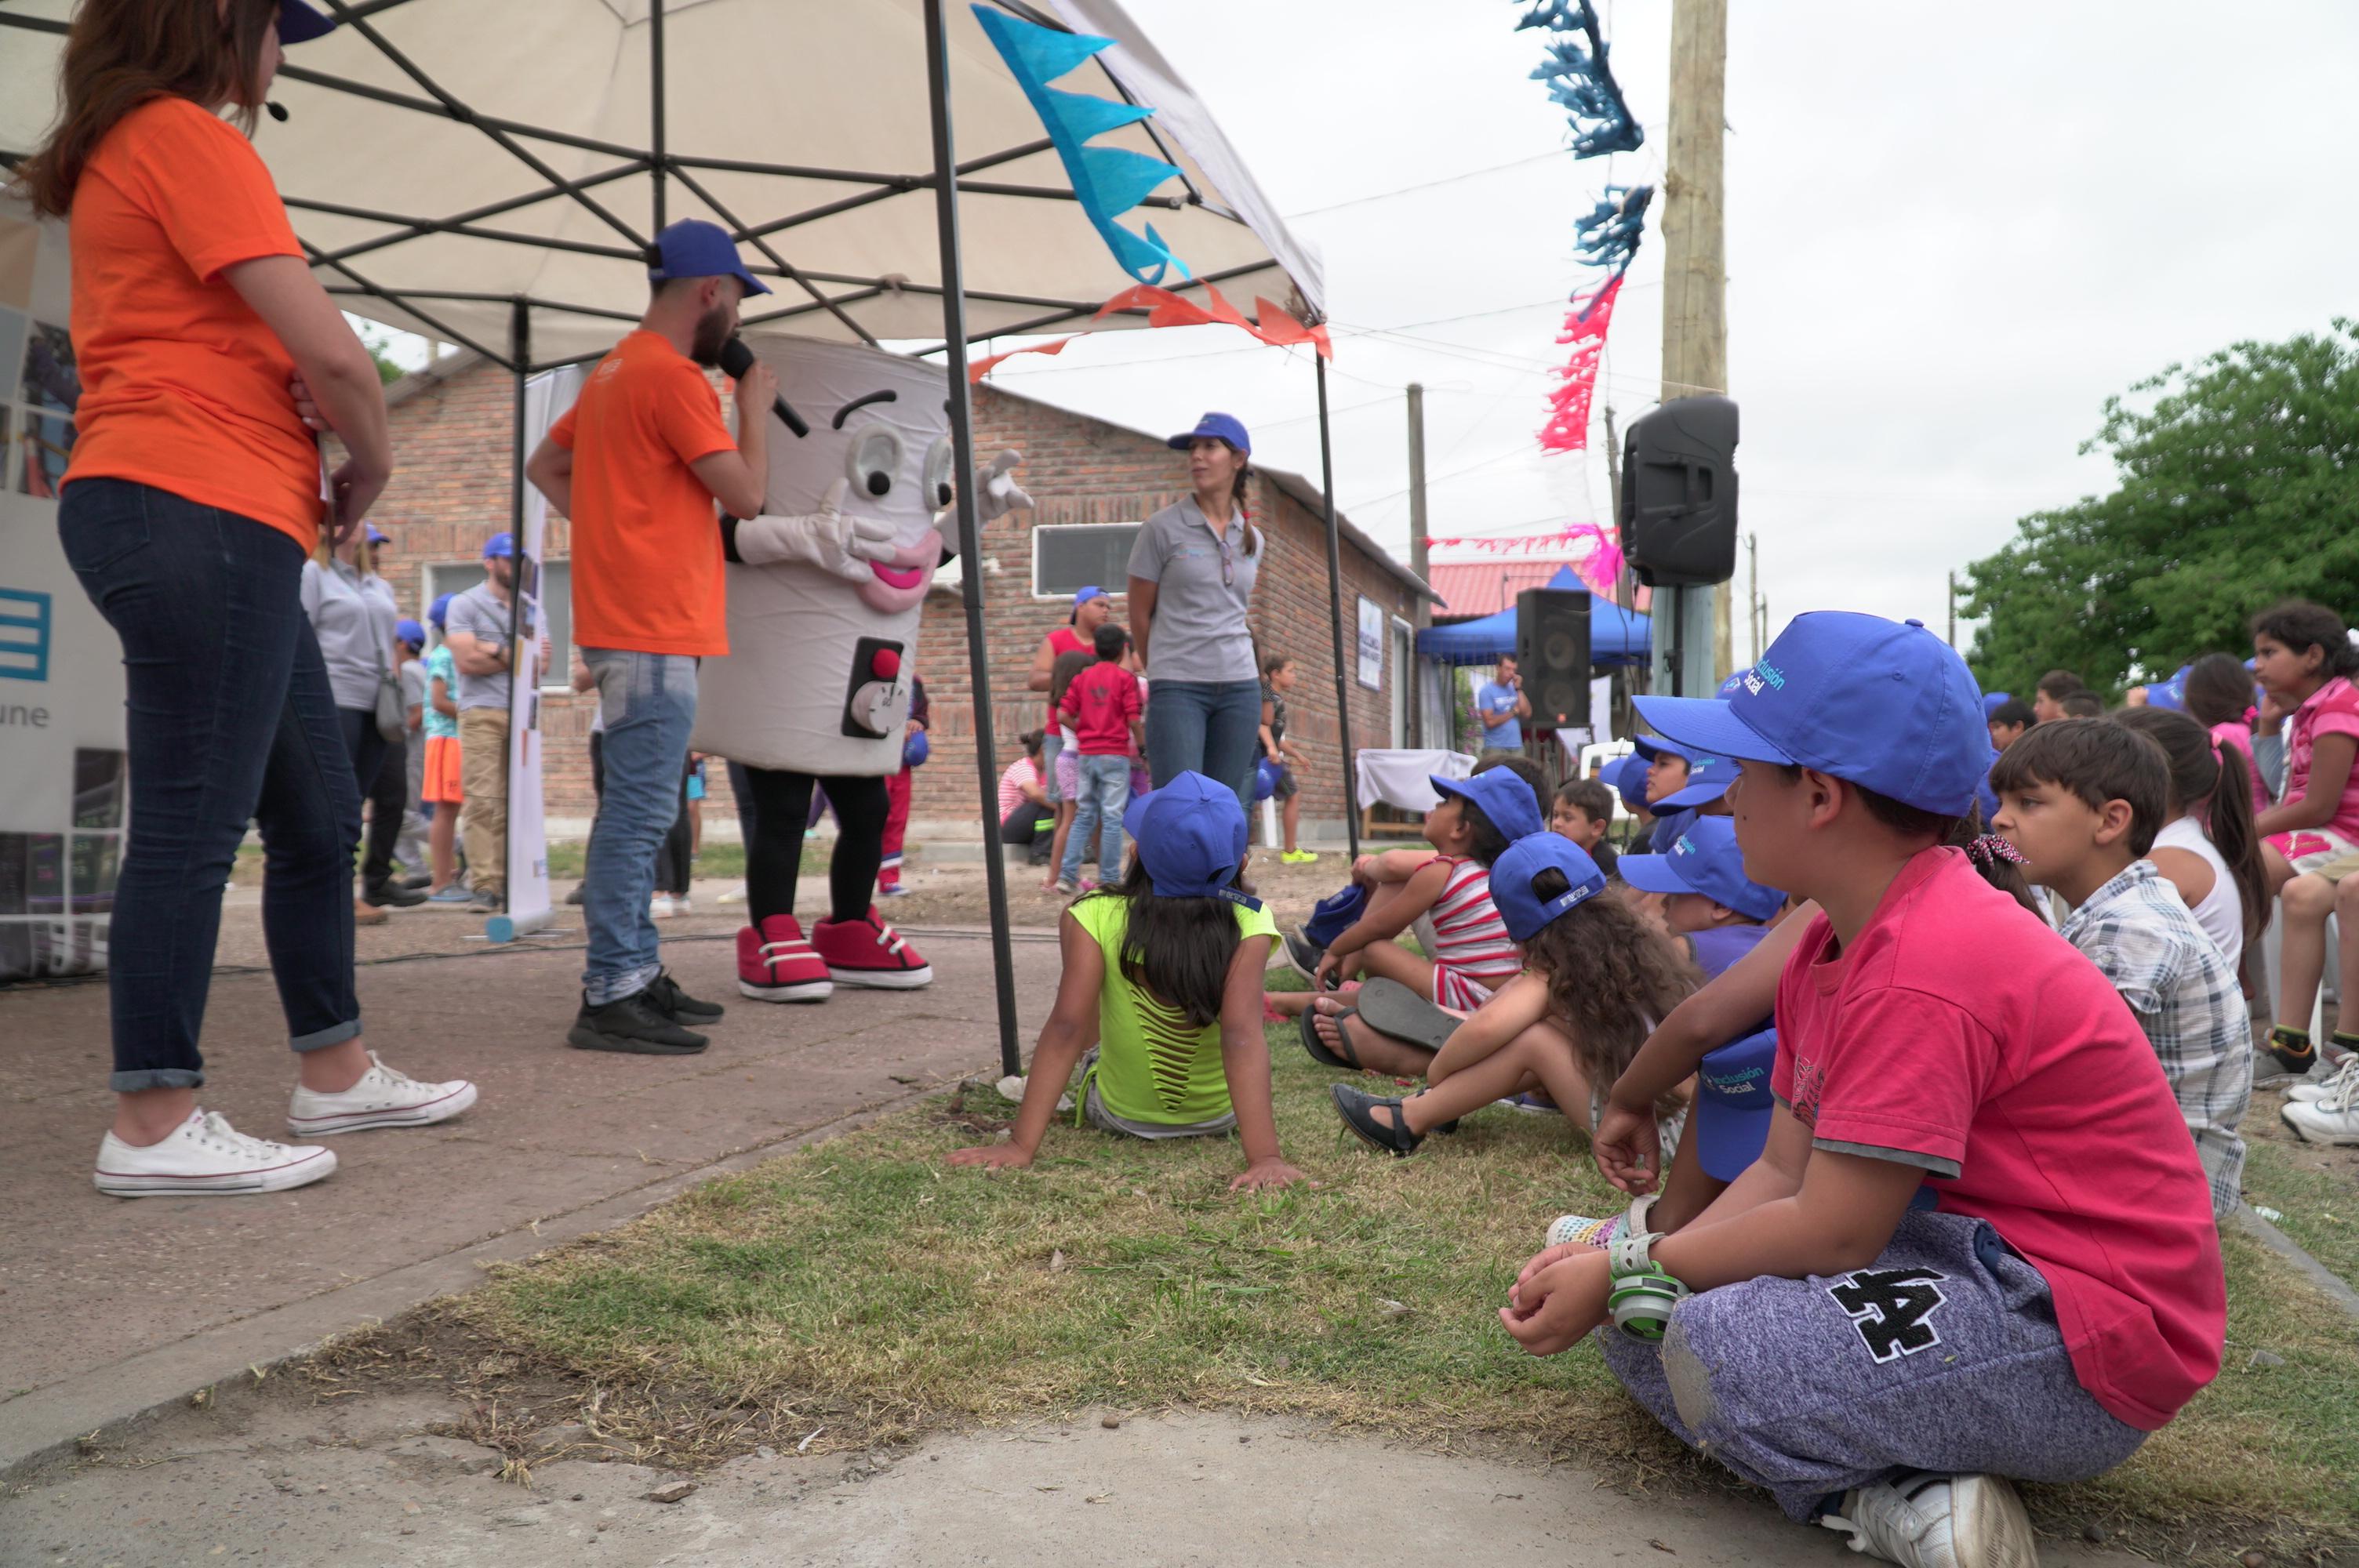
(278, 111)
(736, 359)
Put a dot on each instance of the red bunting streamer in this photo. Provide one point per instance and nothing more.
(1165, 308)
(1600, 569)
(1568, 427)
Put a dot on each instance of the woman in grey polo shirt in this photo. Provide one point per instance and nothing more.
(1191, 577)
(352, 613)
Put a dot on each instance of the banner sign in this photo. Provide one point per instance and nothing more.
(1371, 645)
(62, 780)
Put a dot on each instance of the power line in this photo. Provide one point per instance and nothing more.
(1425, 185)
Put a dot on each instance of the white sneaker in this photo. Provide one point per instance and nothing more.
(382, 1098)
(2333, 1117)
(2300, 1093)
(1919, 1519)
(662, 907)
(683, 904)
(205, 1154)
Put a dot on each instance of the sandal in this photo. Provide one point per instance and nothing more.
(1356, 1108)
(1391, 1008)
(1318, 1048)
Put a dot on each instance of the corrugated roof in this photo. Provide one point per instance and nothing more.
(1485, 588)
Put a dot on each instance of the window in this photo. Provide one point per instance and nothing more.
(557, 602)
(1069, 557)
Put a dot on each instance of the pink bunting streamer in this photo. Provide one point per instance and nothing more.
(1585, 328)
(1600, 569)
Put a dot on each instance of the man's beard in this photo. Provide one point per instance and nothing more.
(711, 333)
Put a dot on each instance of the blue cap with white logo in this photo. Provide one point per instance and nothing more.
(1733, 1104)
(1884, 705)
(1708, 780)
(1505, 798)
(1522, 909)
(1626, 776)
(694, 248)
(1703, 859)
(1222, 426)
(1190, 836)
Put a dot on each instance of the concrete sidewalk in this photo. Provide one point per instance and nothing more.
(109, 1306)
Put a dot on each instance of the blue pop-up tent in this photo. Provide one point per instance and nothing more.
(1616, 636)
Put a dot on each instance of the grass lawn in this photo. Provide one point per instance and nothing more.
(863, 1287)
(2316, 1208)
(725, 862)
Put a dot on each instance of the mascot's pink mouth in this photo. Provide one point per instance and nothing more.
(904, 578)
(901, 582)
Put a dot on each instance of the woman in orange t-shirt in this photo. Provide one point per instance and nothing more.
(207, 351)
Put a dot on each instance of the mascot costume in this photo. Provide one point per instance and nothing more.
(825, 593)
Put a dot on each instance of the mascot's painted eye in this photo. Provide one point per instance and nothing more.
(874, 458)
(937, 473)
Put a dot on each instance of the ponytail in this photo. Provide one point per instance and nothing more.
(1237, 497)
(2206, 782)
(1998, 861)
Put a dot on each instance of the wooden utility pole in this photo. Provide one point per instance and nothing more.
(1753, 592)
(1695, 270)
(1416, 523)
(1954, 610)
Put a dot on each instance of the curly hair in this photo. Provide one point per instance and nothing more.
(1611, 977)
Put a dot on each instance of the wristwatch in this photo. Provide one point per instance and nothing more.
(1641, 1294)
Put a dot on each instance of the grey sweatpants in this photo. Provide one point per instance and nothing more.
(1942, 1355)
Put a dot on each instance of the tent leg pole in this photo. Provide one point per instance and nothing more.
(970, 532)
(520, 365)
(1335, 603)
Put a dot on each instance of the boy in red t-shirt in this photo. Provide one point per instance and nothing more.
(1102, 708)
(1978, 1243)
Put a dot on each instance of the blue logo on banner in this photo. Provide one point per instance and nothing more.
(24, 635)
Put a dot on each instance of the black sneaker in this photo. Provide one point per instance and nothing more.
(1302, 954)
(634, 1025)
(389, 893)
(574, 897)
(417, 880)
(677, 1004)
(488, 903)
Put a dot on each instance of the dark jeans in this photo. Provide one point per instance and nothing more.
(774, 855)
(229, 717)
(1211, 728)
(364, 744)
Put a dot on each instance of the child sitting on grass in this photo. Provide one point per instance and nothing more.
(1978, 1242)
(1583, 813)
(2081, 800)
(1164, 973)
(1595, 980)
(1470, 951)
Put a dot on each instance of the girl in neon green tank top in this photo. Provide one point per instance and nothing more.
(1163, 972)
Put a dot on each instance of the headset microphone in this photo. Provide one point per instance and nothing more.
(277, 112)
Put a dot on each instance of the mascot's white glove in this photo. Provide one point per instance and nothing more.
(998, 491)
(829, 539)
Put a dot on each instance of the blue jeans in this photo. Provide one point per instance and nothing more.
(648, 701)
(1213, 728)
(1097, 810)
(229, 717)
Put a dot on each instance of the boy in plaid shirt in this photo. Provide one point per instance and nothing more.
(2083, 799)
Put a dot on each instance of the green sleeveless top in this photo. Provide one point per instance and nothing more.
(1151, 1065)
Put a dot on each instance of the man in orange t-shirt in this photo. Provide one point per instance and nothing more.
(636, 464)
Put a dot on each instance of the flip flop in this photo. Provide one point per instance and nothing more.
(1317, 1047)
(1391, 1008)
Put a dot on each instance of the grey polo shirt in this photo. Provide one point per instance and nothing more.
(1199, 633)
(485, 619)
(355, 624)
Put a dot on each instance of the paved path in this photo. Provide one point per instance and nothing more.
(108, 1306)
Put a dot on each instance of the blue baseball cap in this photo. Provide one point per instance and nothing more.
(1626, 776)
(1995, 700)
(1708, 780)
(1728, 687)
(1190, 836)
(377, 536)
(1085, 595)
(411, 631)
(499, 547)
(694, 248)
(1884, 705)
(299, 24)
(1649, 747)
(1506, 799)
(1525, 912)
(2170, 694)
(1703, 859)
(1226, 426)
(1733, 1104)
(439, 611)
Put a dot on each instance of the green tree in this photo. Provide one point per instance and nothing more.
(2238, 485)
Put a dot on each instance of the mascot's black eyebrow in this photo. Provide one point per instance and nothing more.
(846, 412)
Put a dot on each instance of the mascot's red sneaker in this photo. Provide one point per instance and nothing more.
(867, 952)
(775, 964)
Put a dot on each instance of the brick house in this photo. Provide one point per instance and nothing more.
(1092, 482)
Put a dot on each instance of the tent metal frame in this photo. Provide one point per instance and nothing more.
(826, 293)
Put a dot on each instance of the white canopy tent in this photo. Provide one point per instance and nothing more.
(491, 174)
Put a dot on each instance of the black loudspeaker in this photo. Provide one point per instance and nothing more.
(1552, 656)
(1679, 492)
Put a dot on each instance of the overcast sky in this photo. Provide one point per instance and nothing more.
(1950, 235)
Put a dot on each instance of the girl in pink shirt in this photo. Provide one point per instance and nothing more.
(2220, 698)
(2303, 656)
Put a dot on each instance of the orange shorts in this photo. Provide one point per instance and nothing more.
(442, 784)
